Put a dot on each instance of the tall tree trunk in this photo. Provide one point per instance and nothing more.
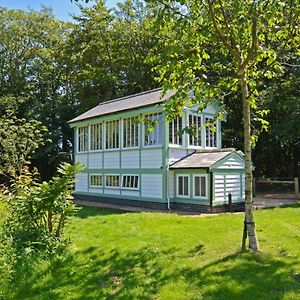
(249, 218)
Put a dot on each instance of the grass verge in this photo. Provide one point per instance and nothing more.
(117, 255)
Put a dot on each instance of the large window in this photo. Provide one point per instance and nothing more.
(130, 132)
(96, 137)
(112, 181)
(195, 127)
(175, 131)
(130, 182)
(183, 185)
(200, 186)
(96, 180)
(210, 133)
(83, 138)
(153, 129)
(112, 134)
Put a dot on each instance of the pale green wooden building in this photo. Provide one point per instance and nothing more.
(128, 164)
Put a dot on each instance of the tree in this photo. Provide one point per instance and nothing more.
(220, 47)
(19, 139)
(106, 52)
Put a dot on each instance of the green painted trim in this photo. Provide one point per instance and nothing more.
(165, 158)
(125, 170)
(148, 199)
(75, 146)
(191, 199)
(219, 134)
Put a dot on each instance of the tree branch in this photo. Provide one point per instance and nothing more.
(231, 48)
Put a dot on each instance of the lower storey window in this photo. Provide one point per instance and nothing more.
(183, 185)
(112, 181)
(130, 182)
(96, 180)
(200, 186)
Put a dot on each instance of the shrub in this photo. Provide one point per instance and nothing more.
(39, 211)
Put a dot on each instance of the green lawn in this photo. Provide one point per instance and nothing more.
(164, 256)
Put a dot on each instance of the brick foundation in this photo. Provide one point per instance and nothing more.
(198, 208)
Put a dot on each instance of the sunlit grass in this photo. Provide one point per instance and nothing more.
(117, 255)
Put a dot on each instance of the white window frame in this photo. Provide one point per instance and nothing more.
(155, 131)
(112, 187)
(90, 181)
(108, 135)
(99, 134)
(131, 188)
(86, 139)
(133, 123)
(206, 186)
(200, 135)
(175, 138)
(177, 186)
(207, 128)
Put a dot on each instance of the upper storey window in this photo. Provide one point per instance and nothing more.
(112, 134)
(210, 134)
(130, 132)
(83, 138)
(195, 127)
(96, 137)
(175, 131)
(153, 129)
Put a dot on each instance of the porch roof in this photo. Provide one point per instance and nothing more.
(202, 158)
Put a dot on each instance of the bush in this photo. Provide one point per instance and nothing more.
(39, 211)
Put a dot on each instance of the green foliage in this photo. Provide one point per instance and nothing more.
(19, 139)
(205, 47)
(38, 211)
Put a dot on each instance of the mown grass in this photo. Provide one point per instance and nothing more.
(117, 255)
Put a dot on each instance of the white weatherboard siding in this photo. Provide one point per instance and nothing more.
(81, 184)
(243, 186)
(171, 184)
(95, 160)
(232, 163)
(96, 190)
(233, 186)
(112, 191)
(130, 159)
(228, 184)
(111, 160)
(82, 158)
(151, 158)
(151, 185)
(176, 154)
(219, 183)
(130, 193)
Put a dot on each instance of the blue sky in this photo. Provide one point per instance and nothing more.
(61, 8)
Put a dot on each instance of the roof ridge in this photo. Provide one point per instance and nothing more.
(129, 96)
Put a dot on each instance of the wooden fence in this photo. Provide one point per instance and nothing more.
(278, 185)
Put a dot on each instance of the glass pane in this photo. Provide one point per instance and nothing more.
(186, 185)
(180, 187)
(197, 186)
(203, 186)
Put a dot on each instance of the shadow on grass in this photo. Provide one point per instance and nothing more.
(142, 273)
(86, 212)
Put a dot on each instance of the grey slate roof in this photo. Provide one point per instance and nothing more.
(125, 103)
(201, 158)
